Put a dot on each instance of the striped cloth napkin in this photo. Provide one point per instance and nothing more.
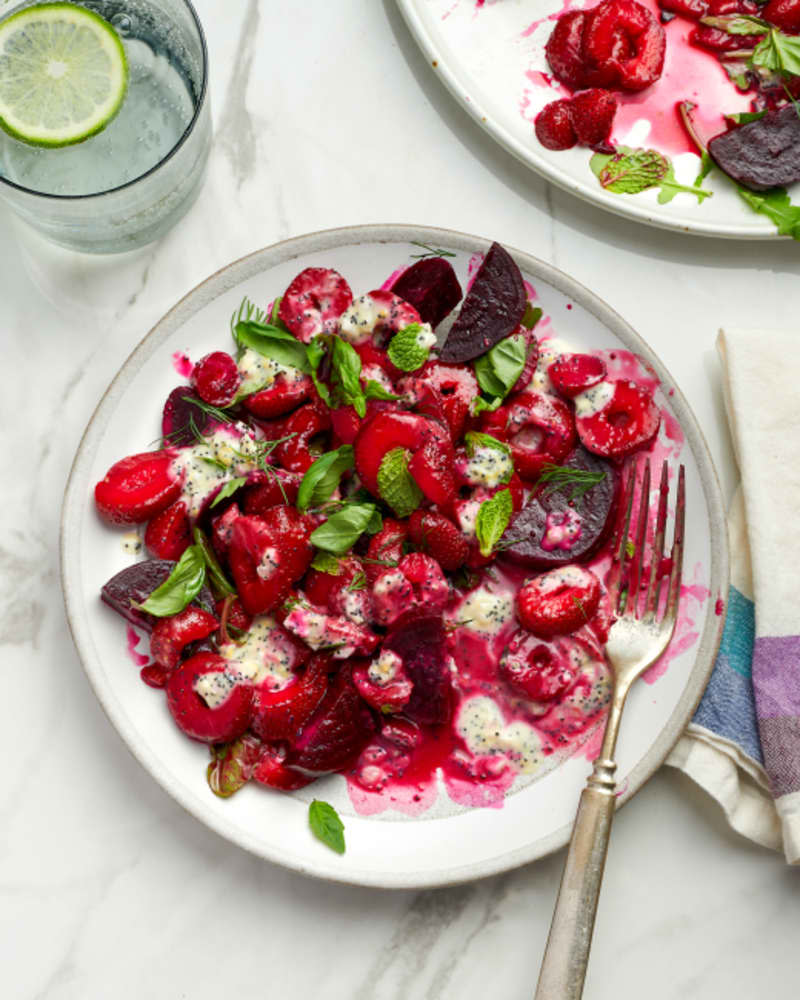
(743, 744)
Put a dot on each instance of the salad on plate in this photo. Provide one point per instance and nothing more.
(372, 555)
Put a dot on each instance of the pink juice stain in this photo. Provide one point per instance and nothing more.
(719, 607)
(690, 605)
(133, 639)
(182, 364)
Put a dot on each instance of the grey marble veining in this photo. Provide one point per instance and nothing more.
(327, 114)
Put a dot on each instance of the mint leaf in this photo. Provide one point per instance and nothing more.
(228, 490)
(343, 529)
(323, 477)
(181, 587)
(324, 562)
(396, 485)
(374, 390)
(476, 439)
(272, 342)
(492, 520)
(777, 206)
(631, 172)
(405, 352)
(670, 187)
(531, 316)
(778, 52)
(326, 825)
(216, 575)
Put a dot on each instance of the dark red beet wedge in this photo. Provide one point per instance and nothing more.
(492, 308)
(176, 420)
(421, 645)
(763, 154)
(134, 584)
(431, 287)
(337, 732)
(534, 532)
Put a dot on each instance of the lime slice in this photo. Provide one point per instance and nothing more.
(63, 74)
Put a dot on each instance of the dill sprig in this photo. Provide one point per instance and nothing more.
(212, 411)
(246, 313)
(429, 251)
(564, 477)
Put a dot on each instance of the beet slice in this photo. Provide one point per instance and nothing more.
(421, 645)
(493, 308)
(431, 287)
(528, 529)
(762, 154)
(338, 730)
(134, 584)
(176, 420)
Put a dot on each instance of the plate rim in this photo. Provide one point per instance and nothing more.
(254, 263)
(630, 210)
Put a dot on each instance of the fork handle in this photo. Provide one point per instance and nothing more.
(567, 952)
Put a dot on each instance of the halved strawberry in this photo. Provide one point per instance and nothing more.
(417, 583)
(534, 669)
(432, 459)
(376, 317)
(564, 49)
(385, 549)
(457, 387)
(301, 427)
(171, 635)
(169, 533)
(137, 487)
(436, 535)
(314, 301)
(558, 602)
(531, 359)
(284, 395)
(383, 684)
(271, 770)
(190, 708)
(279, 715)
(554, 127)
(539, 428)
(319, 587)
(593, 114)
(267, 555)
(628, 421)
(270, 489)
(216, 378)
(575, 373)
(623, 45)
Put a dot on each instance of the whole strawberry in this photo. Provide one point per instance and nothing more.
(437, 536)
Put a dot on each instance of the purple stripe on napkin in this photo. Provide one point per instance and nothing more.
(776, 682)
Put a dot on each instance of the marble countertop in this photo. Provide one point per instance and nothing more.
(326, 114)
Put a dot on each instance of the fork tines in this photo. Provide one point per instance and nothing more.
(629, 556)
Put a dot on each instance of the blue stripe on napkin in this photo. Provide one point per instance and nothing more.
(728, 705)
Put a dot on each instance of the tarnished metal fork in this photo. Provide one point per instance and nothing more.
(637, 638)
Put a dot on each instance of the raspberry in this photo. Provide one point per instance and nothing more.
(216, 379)
(558, 602)
(592, 117)
(554, 127)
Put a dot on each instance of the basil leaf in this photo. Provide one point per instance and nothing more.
(405, 351)
(396, 485)
(375, 523)
(475, 440)
(216, 576)
(343, 529)
(324, 562)
(181, 587)
(492, 520)
(481, 405)
(326, 825)
(323, 477)
(498, 369)
(346, 371)
(487, 380)
(272, 342)
(315, 352)
(531, 316)
(228, 490)
(374, 390)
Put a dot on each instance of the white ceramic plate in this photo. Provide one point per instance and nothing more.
(388, 850)
(489, 58)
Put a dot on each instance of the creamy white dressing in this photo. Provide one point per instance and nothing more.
(593, 400)
(266, 655)
(467, 515)
(131, 543)
(321, 631)
(550, 350)
(564, 576)
(488, 467)
(426, 338)
(227, 453)
(357, 323)
(258, 372)
(214, 687)
(383, 668)
(480, 724)
(485, 612)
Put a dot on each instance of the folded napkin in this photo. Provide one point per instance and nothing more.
(743, 744)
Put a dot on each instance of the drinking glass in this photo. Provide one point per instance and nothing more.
(127, 185)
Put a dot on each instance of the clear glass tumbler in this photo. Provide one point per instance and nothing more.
(130, 183)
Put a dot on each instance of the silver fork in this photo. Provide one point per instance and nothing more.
(636, 640)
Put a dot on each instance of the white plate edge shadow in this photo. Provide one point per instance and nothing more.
(76, 498)
(616, 204)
